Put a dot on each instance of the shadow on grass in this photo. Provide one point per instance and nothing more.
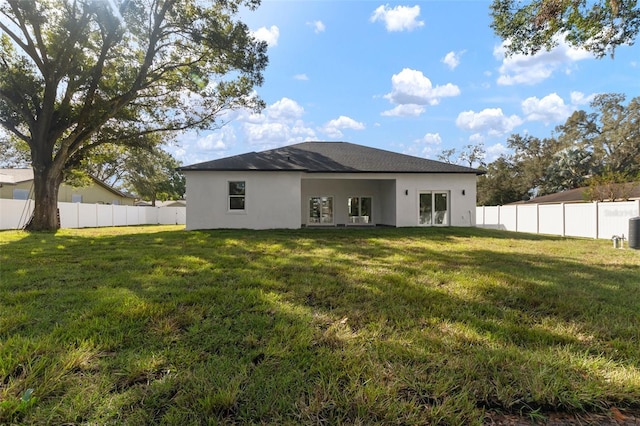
(313, 326)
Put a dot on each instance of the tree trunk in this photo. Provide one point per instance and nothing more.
(46, 183)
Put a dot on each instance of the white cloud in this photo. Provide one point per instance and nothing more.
(406, 110)
(279, 124)
(491, 121)
(399, 18)
(476, 138)
(493, 152)
(550, 109)
(333, 128)
(270, 35)
(318, 26)
(579, 98)
(412, 87)
(452, 59)
(523, 69)
(301, 77)
(427, 146)
(218, 140)
(431, 139)
(284, 109)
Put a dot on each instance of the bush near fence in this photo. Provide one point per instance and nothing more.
(589, 220)
(14, 214)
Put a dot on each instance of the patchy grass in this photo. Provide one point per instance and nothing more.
(156, 325)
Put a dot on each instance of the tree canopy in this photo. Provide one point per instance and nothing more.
(597, 148)
(76, 75)
(599, 26)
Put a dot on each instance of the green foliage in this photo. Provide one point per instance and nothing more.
(595, 148)
(154, 325)
(599, 26)
(570, 168)
(502, 184)
(610, 186)
(13, 152)
(78, 75)
(152, 175)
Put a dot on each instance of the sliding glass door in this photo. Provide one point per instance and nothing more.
(321, 210)
(359, 209)
(434, 208)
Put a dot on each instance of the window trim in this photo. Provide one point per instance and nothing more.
(230, 196)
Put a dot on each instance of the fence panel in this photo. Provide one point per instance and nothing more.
(14, 214)
(589, 220)
(509, 218)
(172, 215)
(551, 219)
(581, 220)
(528, 218)
(613, 218)
(87, 215)
(104, 214)
(491, 216)
(68, 215)
(119, 215)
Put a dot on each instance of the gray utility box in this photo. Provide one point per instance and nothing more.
(634, 233)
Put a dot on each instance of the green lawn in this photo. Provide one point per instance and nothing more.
(157, 325)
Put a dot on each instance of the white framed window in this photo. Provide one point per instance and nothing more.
(76, 198)
(434, 208)
(321, 210)
(359, 209)
(20, 194)
(236, 196)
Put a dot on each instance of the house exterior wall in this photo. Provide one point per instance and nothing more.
(6, 189)
(93, 194)
(462, 208)
(272, 200)
(281, 199)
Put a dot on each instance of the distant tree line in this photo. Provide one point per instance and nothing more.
(599, 149)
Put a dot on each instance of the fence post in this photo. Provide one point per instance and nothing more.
(564, 219)
(537, 218)
(597, 220)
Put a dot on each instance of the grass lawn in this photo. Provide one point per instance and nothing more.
(157, 325)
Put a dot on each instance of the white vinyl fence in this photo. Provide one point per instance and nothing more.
(590, 220)
(14, 214)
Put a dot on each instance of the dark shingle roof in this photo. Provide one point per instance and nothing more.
(330, 157)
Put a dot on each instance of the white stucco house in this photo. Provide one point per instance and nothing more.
(328, 184)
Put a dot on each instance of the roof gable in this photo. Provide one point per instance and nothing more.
(330, 157)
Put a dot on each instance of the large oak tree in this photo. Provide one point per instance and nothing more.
(596, 25)
(78, 74)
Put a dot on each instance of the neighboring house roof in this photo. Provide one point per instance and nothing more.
(329, 157)
(15, 176)
(577, 195)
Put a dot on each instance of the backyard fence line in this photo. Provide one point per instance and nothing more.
(14, 214)
(590, 220)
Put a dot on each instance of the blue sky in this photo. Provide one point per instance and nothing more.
(411, 77)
